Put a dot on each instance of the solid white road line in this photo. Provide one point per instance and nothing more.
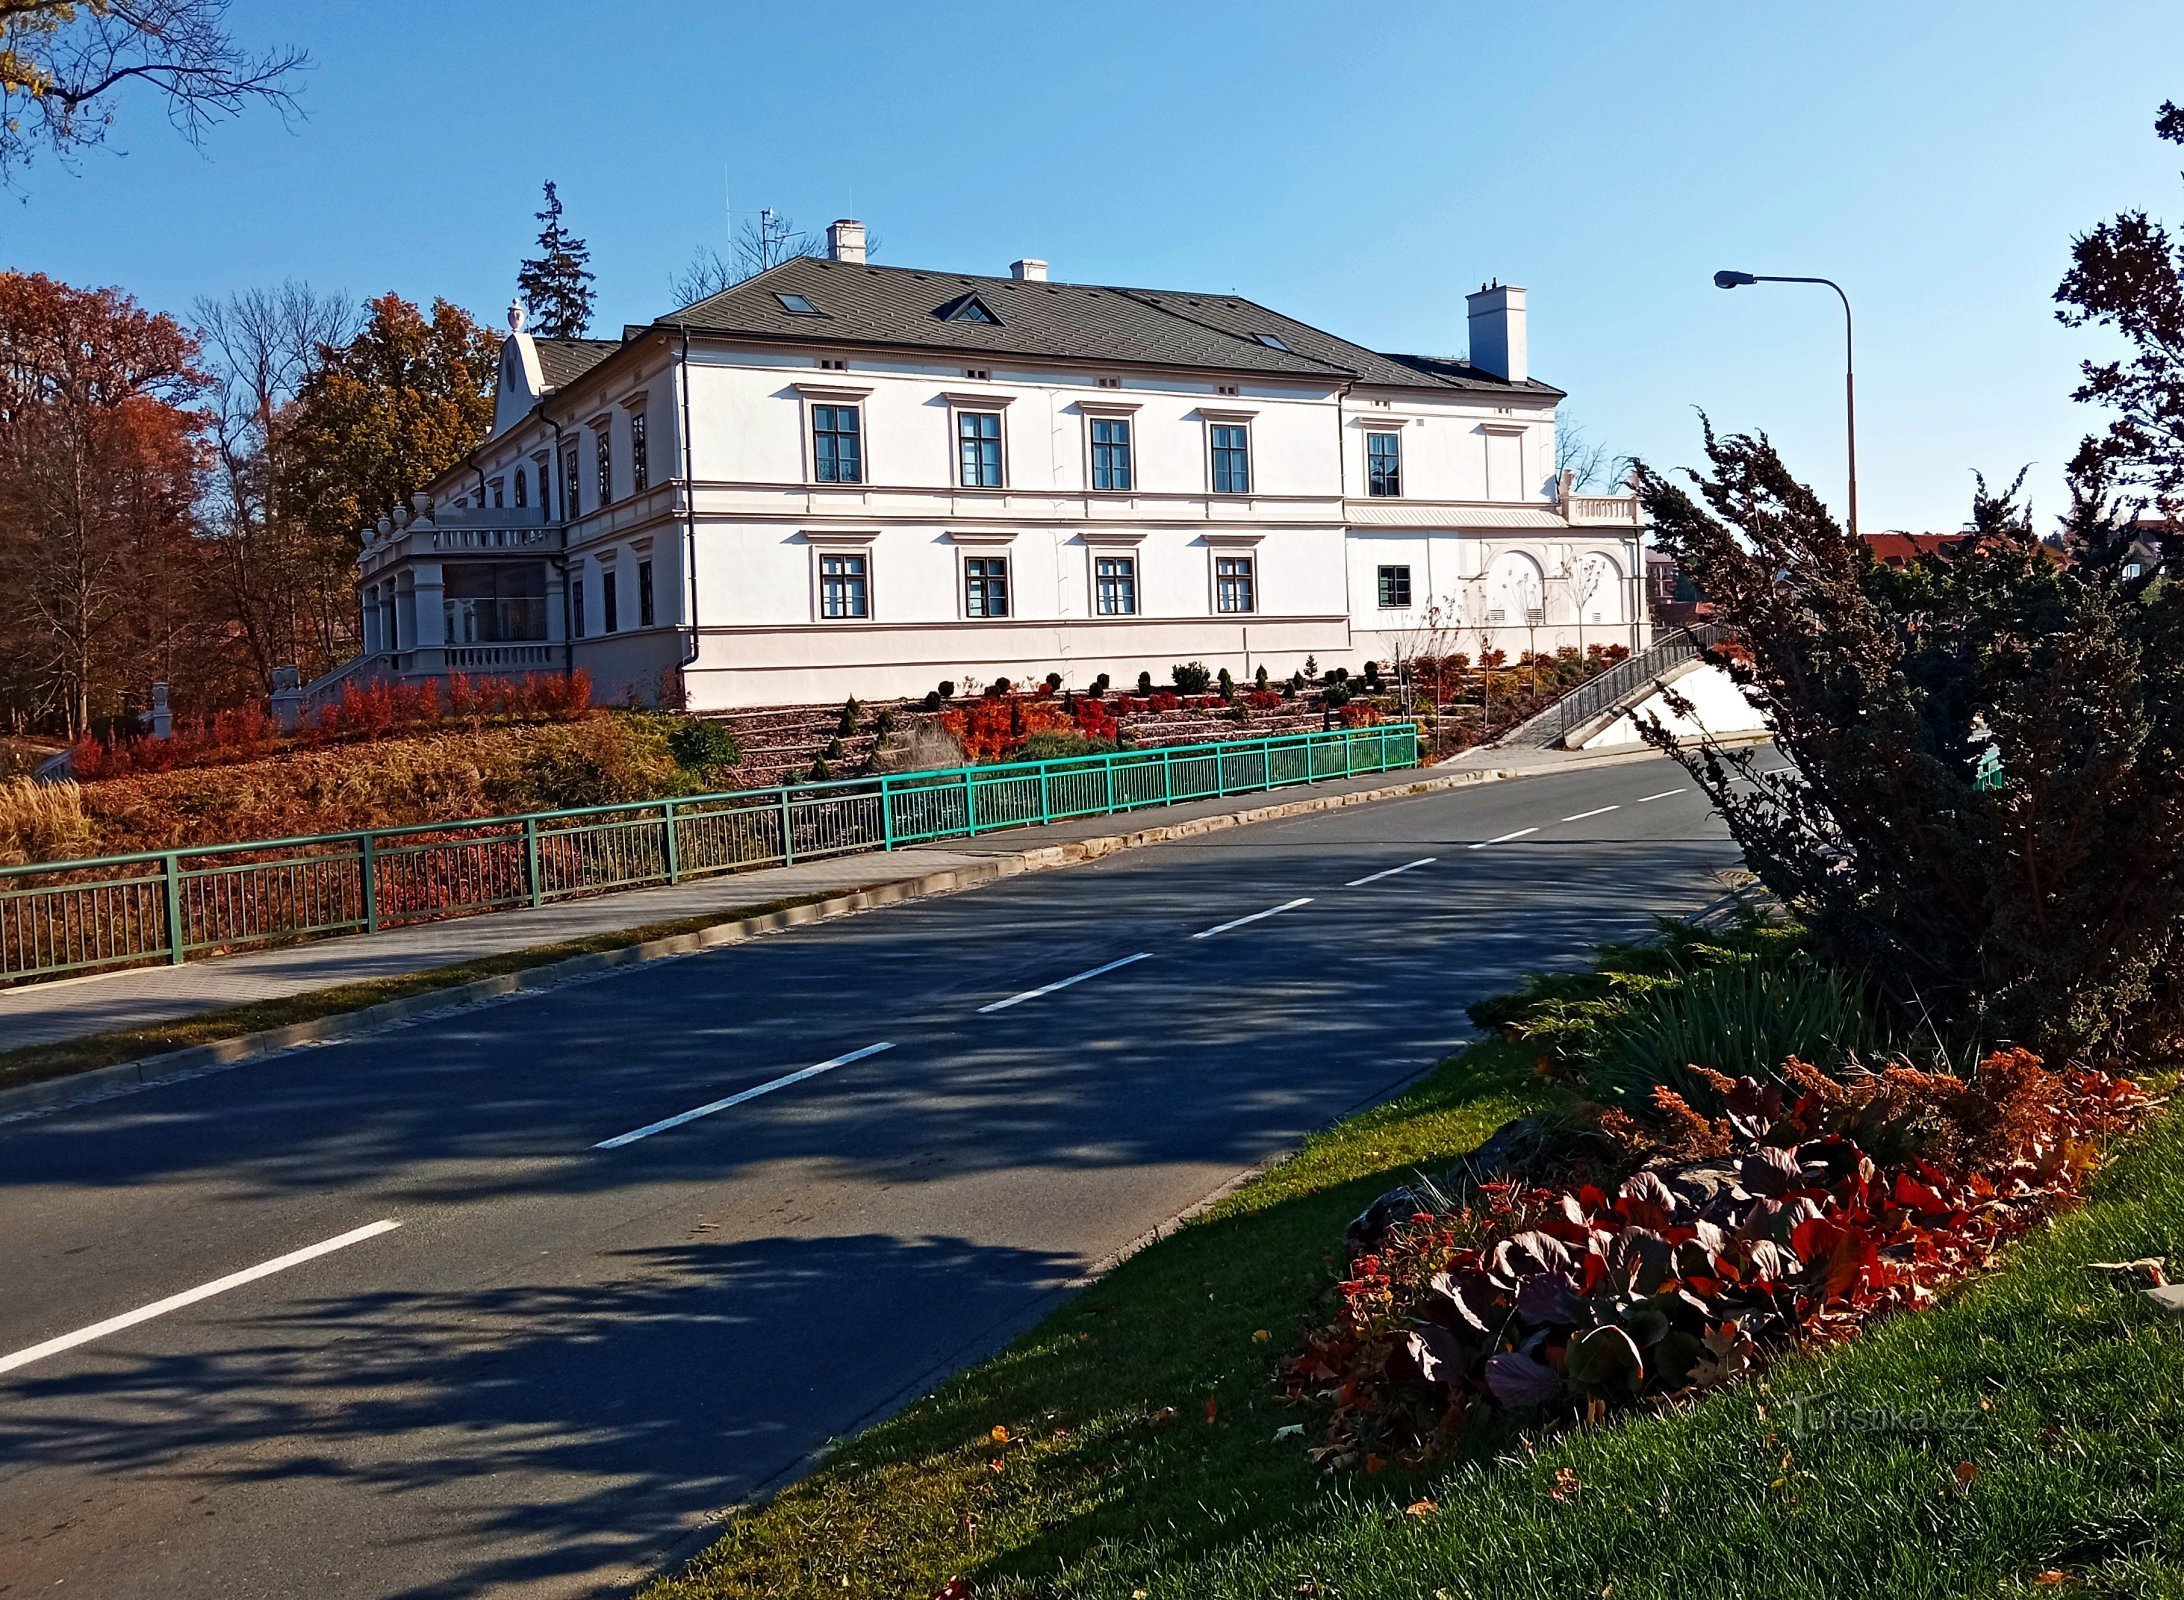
(1597, 811)
(1272, 911)
(1504, 839)
(1663, 795)
(189, 1297)
(737, 1099)
(1033, 994)
(1358, 883)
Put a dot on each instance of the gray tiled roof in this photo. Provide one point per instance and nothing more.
(871, 305)
(563, 361)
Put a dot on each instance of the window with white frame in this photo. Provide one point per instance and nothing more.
(1394, 588)
(978, 449)
(1231, 444)
(1114, 586)
(1111, 466)
(845, 586)
(837, 444)
(1384, 465)
(640, 468)
(1235, 584)
(495, 486)
(572, 493)
(603, 450)
(985, 586)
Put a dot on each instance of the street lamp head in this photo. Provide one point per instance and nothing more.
(1731, 280)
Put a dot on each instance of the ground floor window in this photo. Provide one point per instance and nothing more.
(985, 586)
(1235, 584)
(1115, 586)
(610, 614)
(844, 586)
(493, 602)
(1394, 588)
(645, 611)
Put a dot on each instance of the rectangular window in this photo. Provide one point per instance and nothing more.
(1235, 584)
(640, 469)
(1231, 458)
(644, 594)
(496, 487)
(1394, 588)
(985, 586)
(609, 612)
(576, 602)
(523, 487)
(1110, 453)
(572, 492)
(837, 444)
(1383, 465)
(1115, 586)
(603, 444)
(843, 591)
(978, 444)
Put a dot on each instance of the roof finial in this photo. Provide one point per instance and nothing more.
(515, 316)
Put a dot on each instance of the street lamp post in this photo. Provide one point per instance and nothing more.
(1733, 280)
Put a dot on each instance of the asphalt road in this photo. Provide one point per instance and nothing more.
(556, 1359)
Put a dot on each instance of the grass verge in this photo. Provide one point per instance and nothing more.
(2026, 1437)
(39, 1062)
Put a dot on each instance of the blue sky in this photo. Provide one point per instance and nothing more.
(1357, 167)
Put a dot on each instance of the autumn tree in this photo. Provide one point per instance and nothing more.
(2128, 275)
(64, 65)
(556, 284)
(288, 597)
(375, 421)
(100, 447)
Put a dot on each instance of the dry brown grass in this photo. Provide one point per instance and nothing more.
(43, 822)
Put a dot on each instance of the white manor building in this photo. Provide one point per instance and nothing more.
(839, 478)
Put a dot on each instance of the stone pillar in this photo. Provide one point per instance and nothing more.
(288, 698)
(430, 607)
(557, 603)
(162, 719)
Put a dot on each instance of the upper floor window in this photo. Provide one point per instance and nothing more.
(1235, 583)
(523, 487)
(1110, 453)
(1109, 383)
(640, 469)
(1383, 464)
(1114, 581)
(837, 444)
(844, 587)
(978, 446)
(603, 448)
(572, 495)
(1231, 458)
(645, 610)
(985, 586)
(1394, 588)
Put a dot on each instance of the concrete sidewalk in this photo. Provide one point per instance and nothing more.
(139, 997)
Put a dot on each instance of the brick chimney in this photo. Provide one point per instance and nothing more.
(845, 240)
(1497, 331)
(1031, 270)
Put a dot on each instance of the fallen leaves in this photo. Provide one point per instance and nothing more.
(1565, 1485)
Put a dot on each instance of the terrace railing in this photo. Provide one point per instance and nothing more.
(173, 905)
(1630, 679)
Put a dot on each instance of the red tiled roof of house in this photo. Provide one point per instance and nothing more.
(1900, 549)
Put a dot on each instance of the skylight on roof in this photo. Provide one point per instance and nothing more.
(969, 309)
(1270, 341)
(796, 305)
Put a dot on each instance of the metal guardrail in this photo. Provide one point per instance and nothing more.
(72, 916)
(1609, 688)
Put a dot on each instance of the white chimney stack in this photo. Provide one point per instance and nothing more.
(1497, 331)
(845, 240)
(1031, 270)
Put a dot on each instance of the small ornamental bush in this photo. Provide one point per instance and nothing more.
(848, 723)
(1144, 683)
(1191, 677)
(701, 746)
(1770, 1225)
(1101, 684)
(1263, 698)
(1227, 685)
(1335, 694)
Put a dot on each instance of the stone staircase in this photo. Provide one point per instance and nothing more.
(781, 743)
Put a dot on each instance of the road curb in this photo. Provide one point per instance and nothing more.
(102, 1083)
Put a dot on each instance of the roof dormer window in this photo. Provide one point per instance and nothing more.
(1270, 341)
(969, 308)
(796, 305)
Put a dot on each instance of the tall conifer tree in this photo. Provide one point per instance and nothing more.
(556, 284)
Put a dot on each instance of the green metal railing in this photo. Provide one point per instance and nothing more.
(72, 916)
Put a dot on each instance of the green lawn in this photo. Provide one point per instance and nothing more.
(1838, 1476)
